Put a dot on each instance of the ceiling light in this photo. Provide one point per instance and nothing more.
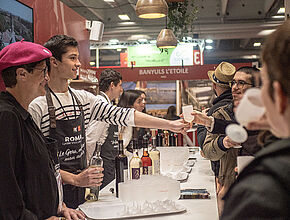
(209, 41)
(281, 11)
(208, 47)
(153, 41)
(151, 9)
(257, 44)
(166, 39)
(142, 40)
(124, 17)
(278, 16)
(92, 63)
(266, 32)
(119, 49)
(114, 41)
(110, 1)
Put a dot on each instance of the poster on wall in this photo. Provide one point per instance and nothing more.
(150, 55)
(16, 22)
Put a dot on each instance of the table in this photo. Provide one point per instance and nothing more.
(201, 176)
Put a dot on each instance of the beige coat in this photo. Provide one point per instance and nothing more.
(228, 159)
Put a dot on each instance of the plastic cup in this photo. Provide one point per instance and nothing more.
(187, 110)
(250, 108)
(237, 133)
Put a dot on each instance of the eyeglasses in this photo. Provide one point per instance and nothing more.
(44, 70)
(240, 83)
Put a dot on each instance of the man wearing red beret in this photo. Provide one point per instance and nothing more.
(28, 184)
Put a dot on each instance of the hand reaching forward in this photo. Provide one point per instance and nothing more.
(179, 126)
(201, 118)
(90, 177)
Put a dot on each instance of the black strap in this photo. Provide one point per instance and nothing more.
(219, 81)
(51, 108)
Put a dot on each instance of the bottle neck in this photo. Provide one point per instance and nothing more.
(121, 147)
(145, 149)
(154, 142)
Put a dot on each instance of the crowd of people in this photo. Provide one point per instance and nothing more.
(49, 131)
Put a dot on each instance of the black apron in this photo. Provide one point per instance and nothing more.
(109, 150)
(70, 135)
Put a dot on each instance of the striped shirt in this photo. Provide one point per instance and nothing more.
(94, 109)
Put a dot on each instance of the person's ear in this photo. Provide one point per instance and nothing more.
(280, 98)
(21, 74)
(53, 61)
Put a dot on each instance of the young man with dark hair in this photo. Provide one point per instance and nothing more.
(70, 113)
(28, 179)
(262, 189)
(110, 85)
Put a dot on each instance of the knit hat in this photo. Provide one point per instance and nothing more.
(223, 74)
(22, 52)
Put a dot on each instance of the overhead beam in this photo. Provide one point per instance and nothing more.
(224, 5)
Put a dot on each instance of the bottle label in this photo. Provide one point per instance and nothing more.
(147, 170)
(156, 166)
(135, 173)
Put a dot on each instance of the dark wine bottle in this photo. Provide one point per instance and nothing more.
(121, 163)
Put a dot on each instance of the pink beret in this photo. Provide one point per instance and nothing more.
(22, 52)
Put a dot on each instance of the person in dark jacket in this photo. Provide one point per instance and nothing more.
(220, 78)
(262, 190)
(29, 182)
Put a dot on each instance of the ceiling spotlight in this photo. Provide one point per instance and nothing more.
(208, 47)
(124, 17)
(114, 41)
(166, 39)
(151, 9)
(209, 41)
(281, 11)
(257, 44)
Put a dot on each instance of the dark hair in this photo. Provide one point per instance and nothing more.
(9, 74)
(128, 98)
(58, 45)
(107, 76)
(276, 56)
(254, 72)
(171, 113)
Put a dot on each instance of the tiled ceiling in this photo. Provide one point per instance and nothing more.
(234, 25)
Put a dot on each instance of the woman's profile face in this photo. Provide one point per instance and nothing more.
(139, 103)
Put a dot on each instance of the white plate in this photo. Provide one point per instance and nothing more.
(97, 211)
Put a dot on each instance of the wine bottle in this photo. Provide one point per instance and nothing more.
(166, 139)
(135, 162)
(95, 161)
(172, 139)
(154, 154)
(146, 160)
(121, 163)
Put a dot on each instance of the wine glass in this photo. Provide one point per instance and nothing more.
(187, 110)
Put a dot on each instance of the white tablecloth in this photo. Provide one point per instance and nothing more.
(200, 177)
